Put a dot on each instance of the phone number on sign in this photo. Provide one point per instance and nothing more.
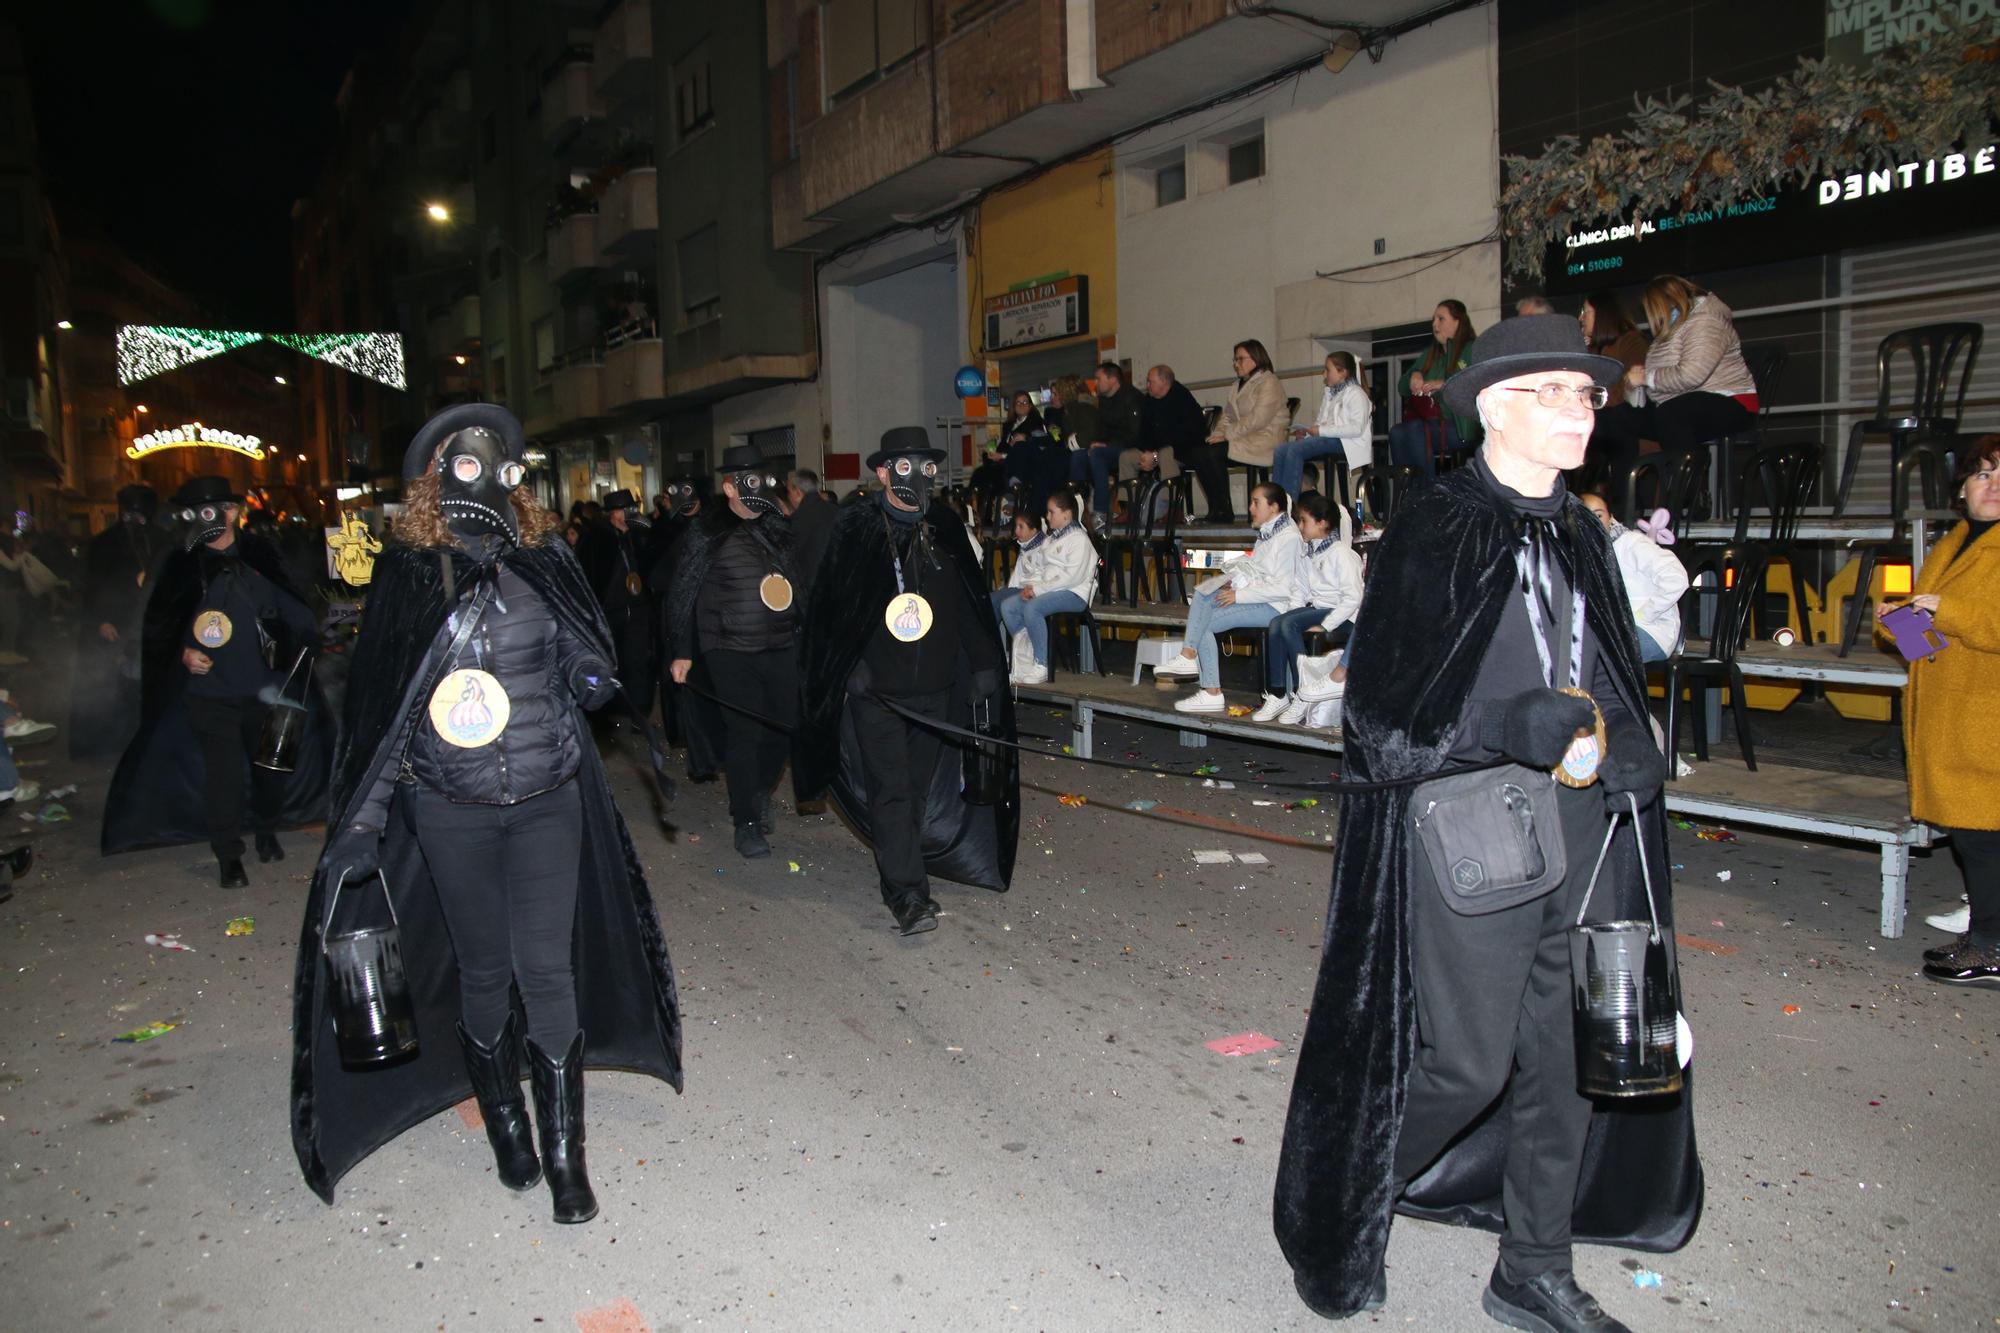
(1597, 265)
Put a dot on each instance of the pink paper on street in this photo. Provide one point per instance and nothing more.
(1243, 1043)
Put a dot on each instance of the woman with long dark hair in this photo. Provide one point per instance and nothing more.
(1427, 432)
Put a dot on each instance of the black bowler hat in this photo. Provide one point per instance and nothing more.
(909, 442)
(1525, 345)
(620, 499)
(422, 453)
(138, 500)
(742, 458)
(206, 491)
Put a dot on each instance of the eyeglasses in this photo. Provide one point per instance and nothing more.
(1592, 396)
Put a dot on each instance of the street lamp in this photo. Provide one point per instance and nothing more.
(279, 378)
(64, 325)
(140, 408)
(437, 212)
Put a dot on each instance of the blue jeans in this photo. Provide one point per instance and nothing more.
(1096, 465)
(1206, 620)
(1410, 443)
(10, 776)
(1017, 613)
(1288, 468)
(1285, 643)
(1650, 651)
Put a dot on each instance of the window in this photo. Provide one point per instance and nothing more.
(545, 346)
(1170, 184)
(861, 38)
(700, 272)
(1228, 157)
(694, 107)
(1156, 181)
(1246, 161)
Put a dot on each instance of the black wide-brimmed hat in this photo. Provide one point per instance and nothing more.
(207, 491)
(1525, 345)
(742, 458)
(138, 500)
(423, 448)
(620, 499)
(905, 442)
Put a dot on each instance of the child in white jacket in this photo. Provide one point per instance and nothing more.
(1654, 578)
(1344, 425)
(1328, 597)
(1256, 588)
(1055, 575)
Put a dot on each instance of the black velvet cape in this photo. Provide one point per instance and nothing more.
(626, 1000)
(120, 570)
(968, 844)
(155, 798)
(1437, 588)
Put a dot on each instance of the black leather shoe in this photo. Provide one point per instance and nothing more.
(232, 874)
(559, 1108)
(1546, 1303)
(1944, 951)
(914, 916)
(496, 1085)
(1378, 1297)
(749, 842)
(1969, 965)
(268, 847)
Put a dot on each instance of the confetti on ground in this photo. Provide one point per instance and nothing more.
(241, 925)
(1263, 802)
(171, 942)
(1072, 799)
(1211, 858)
(1715, 835)
(1684, 824)
(1141, 804)
(621, 1316)
(1704, 946)
(1238, 710)
(1218, 784)
(1724, 875)
(468, 1113)
(1206, 769)
(1791, 1009)
(1307, 803)
(1645, 1277)
(1243, 1043)
(146, 1033)
(793, 868)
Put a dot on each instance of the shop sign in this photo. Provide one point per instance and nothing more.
(1040, 312)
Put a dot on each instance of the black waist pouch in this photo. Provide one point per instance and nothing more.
(1492, 839)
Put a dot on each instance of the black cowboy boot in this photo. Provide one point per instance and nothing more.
(496, 1082)
(559, 1108)
(269, 848)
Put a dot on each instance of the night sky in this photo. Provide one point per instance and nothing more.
(182, 130)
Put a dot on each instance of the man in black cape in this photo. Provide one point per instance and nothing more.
(222, 610)
(732, 632)
(898, 624)
(682, 714)
(618, 556)
(1438, 1074)
(104, 699)
(624, 991)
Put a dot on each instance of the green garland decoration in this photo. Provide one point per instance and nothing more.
(1822, 120)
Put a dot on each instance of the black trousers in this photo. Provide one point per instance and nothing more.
(506, 881)
(1210, 465)
(765, 684)
(1494, 1019)
(638, 663)
(897, 759)
(1979, 859)
(230, 730)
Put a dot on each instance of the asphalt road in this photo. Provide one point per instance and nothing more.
(1011, 1123)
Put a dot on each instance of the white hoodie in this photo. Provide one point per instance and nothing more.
(1329, 579)
(1063, 561)
(1270, 572)
(1654, 581)
(1347, 414)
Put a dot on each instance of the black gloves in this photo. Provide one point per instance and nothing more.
(355, 852)
(1535, 727)
(985, 684)
(1632, 763)
(593, 684)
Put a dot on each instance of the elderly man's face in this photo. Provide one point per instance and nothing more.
(1156, 385)
(1550, 437)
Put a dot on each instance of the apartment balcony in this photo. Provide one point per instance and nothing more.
(456, 327)
(573, 248)
(622, 68)
(579, 389)
(569, 99)
(628, 222)
(635, 376)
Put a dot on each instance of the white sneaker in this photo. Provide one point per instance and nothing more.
(1325, 715)
(1201, 701)
(1951, 923)
(27, 791)
(21, 729)
(1295, 712)
(1034, 674)
(1273, 706)
(1330, 689)
(1178, 665)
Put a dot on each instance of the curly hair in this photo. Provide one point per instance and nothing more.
(422, 521)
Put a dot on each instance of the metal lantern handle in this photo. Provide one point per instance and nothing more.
(333, 901)
(1645, 866)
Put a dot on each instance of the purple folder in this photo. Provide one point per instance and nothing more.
(1915, 636)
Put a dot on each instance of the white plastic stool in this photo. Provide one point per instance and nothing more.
(1152, 652)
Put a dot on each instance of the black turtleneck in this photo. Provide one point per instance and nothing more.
(1975, 528)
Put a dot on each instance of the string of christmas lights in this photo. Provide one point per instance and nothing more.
(379, 356)
(146, 350)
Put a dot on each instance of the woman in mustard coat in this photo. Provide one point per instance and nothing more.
(1954, 768)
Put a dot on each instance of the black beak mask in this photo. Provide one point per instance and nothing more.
(477, 477)
(757, 492)
(682, 498)
(911, 480)
(205, 522)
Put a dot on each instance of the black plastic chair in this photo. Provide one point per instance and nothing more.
(1783, 477)
(1932, 460)
(1934, 351)
(1767, 371)
(1679, 480)
(1386, 487)
(1743, 569)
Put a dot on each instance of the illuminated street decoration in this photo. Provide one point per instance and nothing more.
(146, 350)
(194, 435)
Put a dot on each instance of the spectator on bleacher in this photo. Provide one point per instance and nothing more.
(1697, 385)
(1534, 304)
(1654, 578)
(1947, 708)
(1170, 427)
(1174, 421)
(1327, 593)
(1343, 425)
(1427, 432)
(1609, 331)
(1117, 429)
(1055, 575)
(1022, 420)
(1072, 421)
(1254, 416)
(1255, 588)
